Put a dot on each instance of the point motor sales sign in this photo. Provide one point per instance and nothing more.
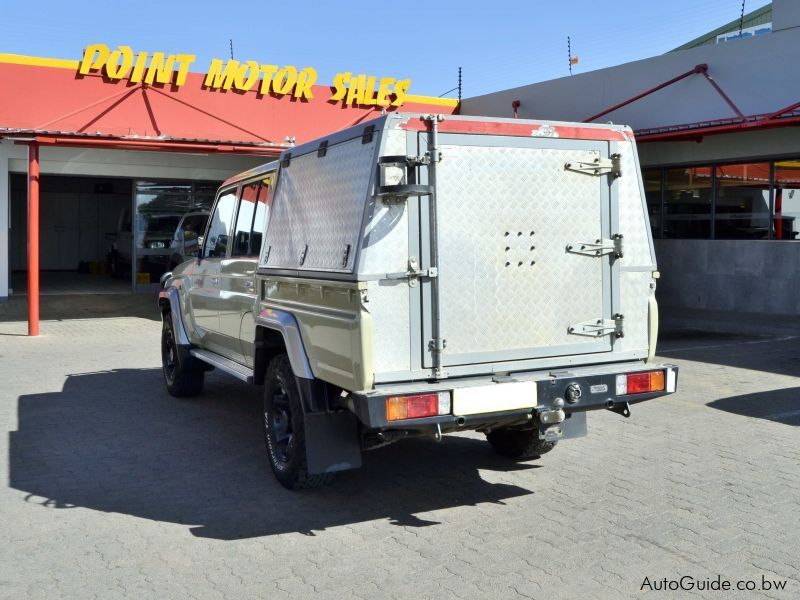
(158, 67)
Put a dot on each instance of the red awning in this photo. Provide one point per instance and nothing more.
(56, 105)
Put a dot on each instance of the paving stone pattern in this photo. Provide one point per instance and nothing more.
(113, 489)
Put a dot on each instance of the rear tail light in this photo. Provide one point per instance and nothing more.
(417, 406)
(640, 383)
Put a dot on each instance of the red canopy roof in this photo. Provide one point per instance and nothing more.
(48, 99)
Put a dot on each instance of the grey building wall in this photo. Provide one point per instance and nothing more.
(734, 275)
(737, 275)
(785, 14)
(757, 73)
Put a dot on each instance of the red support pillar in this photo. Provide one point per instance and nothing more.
(33, 239)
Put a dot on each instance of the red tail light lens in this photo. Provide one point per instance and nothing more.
(412, 407)
(640, 383)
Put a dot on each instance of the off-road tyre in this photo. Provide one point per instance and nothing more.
(519, 444)
(183, 374)
(284, 429)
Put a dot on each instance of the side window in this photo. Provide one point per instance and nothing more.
(244, 220)
(260, 220)
(191, 228)
(216, 244)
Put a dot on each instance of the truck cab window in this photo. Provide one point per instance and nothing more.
(260, 218)
(216, 244)
(244, 220)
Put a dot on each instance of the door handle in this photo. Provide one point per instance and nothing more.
(250, 285)
(215, 281)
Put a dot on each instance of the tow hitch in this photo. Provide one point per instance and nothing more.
(550, 421)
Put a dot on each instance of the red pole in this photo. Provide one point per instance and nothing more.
(33, 239)
(698, 69)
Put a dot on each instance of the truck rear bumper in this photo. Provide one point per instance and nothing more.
(572, 391)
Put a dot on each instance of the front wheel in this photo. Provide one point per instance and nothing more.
(183, 374)
(284, 428)
(519, 444)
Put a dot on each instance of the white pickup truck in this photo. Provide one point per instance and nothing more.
(419, 275)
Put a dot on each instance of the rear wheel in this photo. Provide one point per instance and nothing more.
(284, 428)
(519, 444)
(183, 374)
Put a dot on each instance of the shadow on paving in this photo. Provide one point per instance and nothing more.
(83, 306)
(116, 442)
(771, 354)
(782, 406)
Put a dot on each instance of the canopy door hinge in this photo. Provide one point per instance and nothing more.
(397, 178)
(599, 327)
(599, 166)
(598, 247)
(414, 273)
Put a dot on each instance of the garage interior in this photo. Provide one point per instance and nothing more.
(80, 219)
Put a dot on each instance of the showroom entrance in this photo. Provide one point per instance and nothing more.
(106, 234)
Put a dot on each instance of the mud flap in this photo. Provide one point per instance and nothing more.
(332, 442)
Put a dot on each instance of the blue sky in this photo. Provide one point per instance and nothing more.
(499, 44)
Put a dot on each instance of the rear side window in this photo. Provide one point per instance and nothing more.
(216, 245)
(260, 220)
(253, 209)
(244, 220)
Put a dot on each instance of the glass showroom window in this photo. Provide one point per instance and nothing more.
(159, 210)
(687, 202)
(787, 200)
(742, 206)
(652, 192)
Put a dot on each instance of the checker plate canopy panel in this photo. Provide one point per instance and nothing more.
(317, 209)
(508, 287)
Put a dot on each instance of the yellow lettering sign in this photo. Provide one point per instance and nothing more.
(219, 77)
(161, 68)
(340, 82)
(121, 64)
(94, 57)
(361, 90)
(305, 80)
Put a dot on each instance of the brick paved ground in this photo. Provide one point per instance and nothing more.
(114, 489)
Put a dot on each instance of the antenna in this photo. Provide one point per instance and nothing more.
(230, 43)
(458, 87)
(573, 60)
(569, 54)
(741, 20)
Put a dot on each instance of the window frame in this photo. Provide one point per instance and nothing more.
(771, 160)
(239, 194)
(222, 192)
(268, 204)
(664, 203)
(252, 253)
